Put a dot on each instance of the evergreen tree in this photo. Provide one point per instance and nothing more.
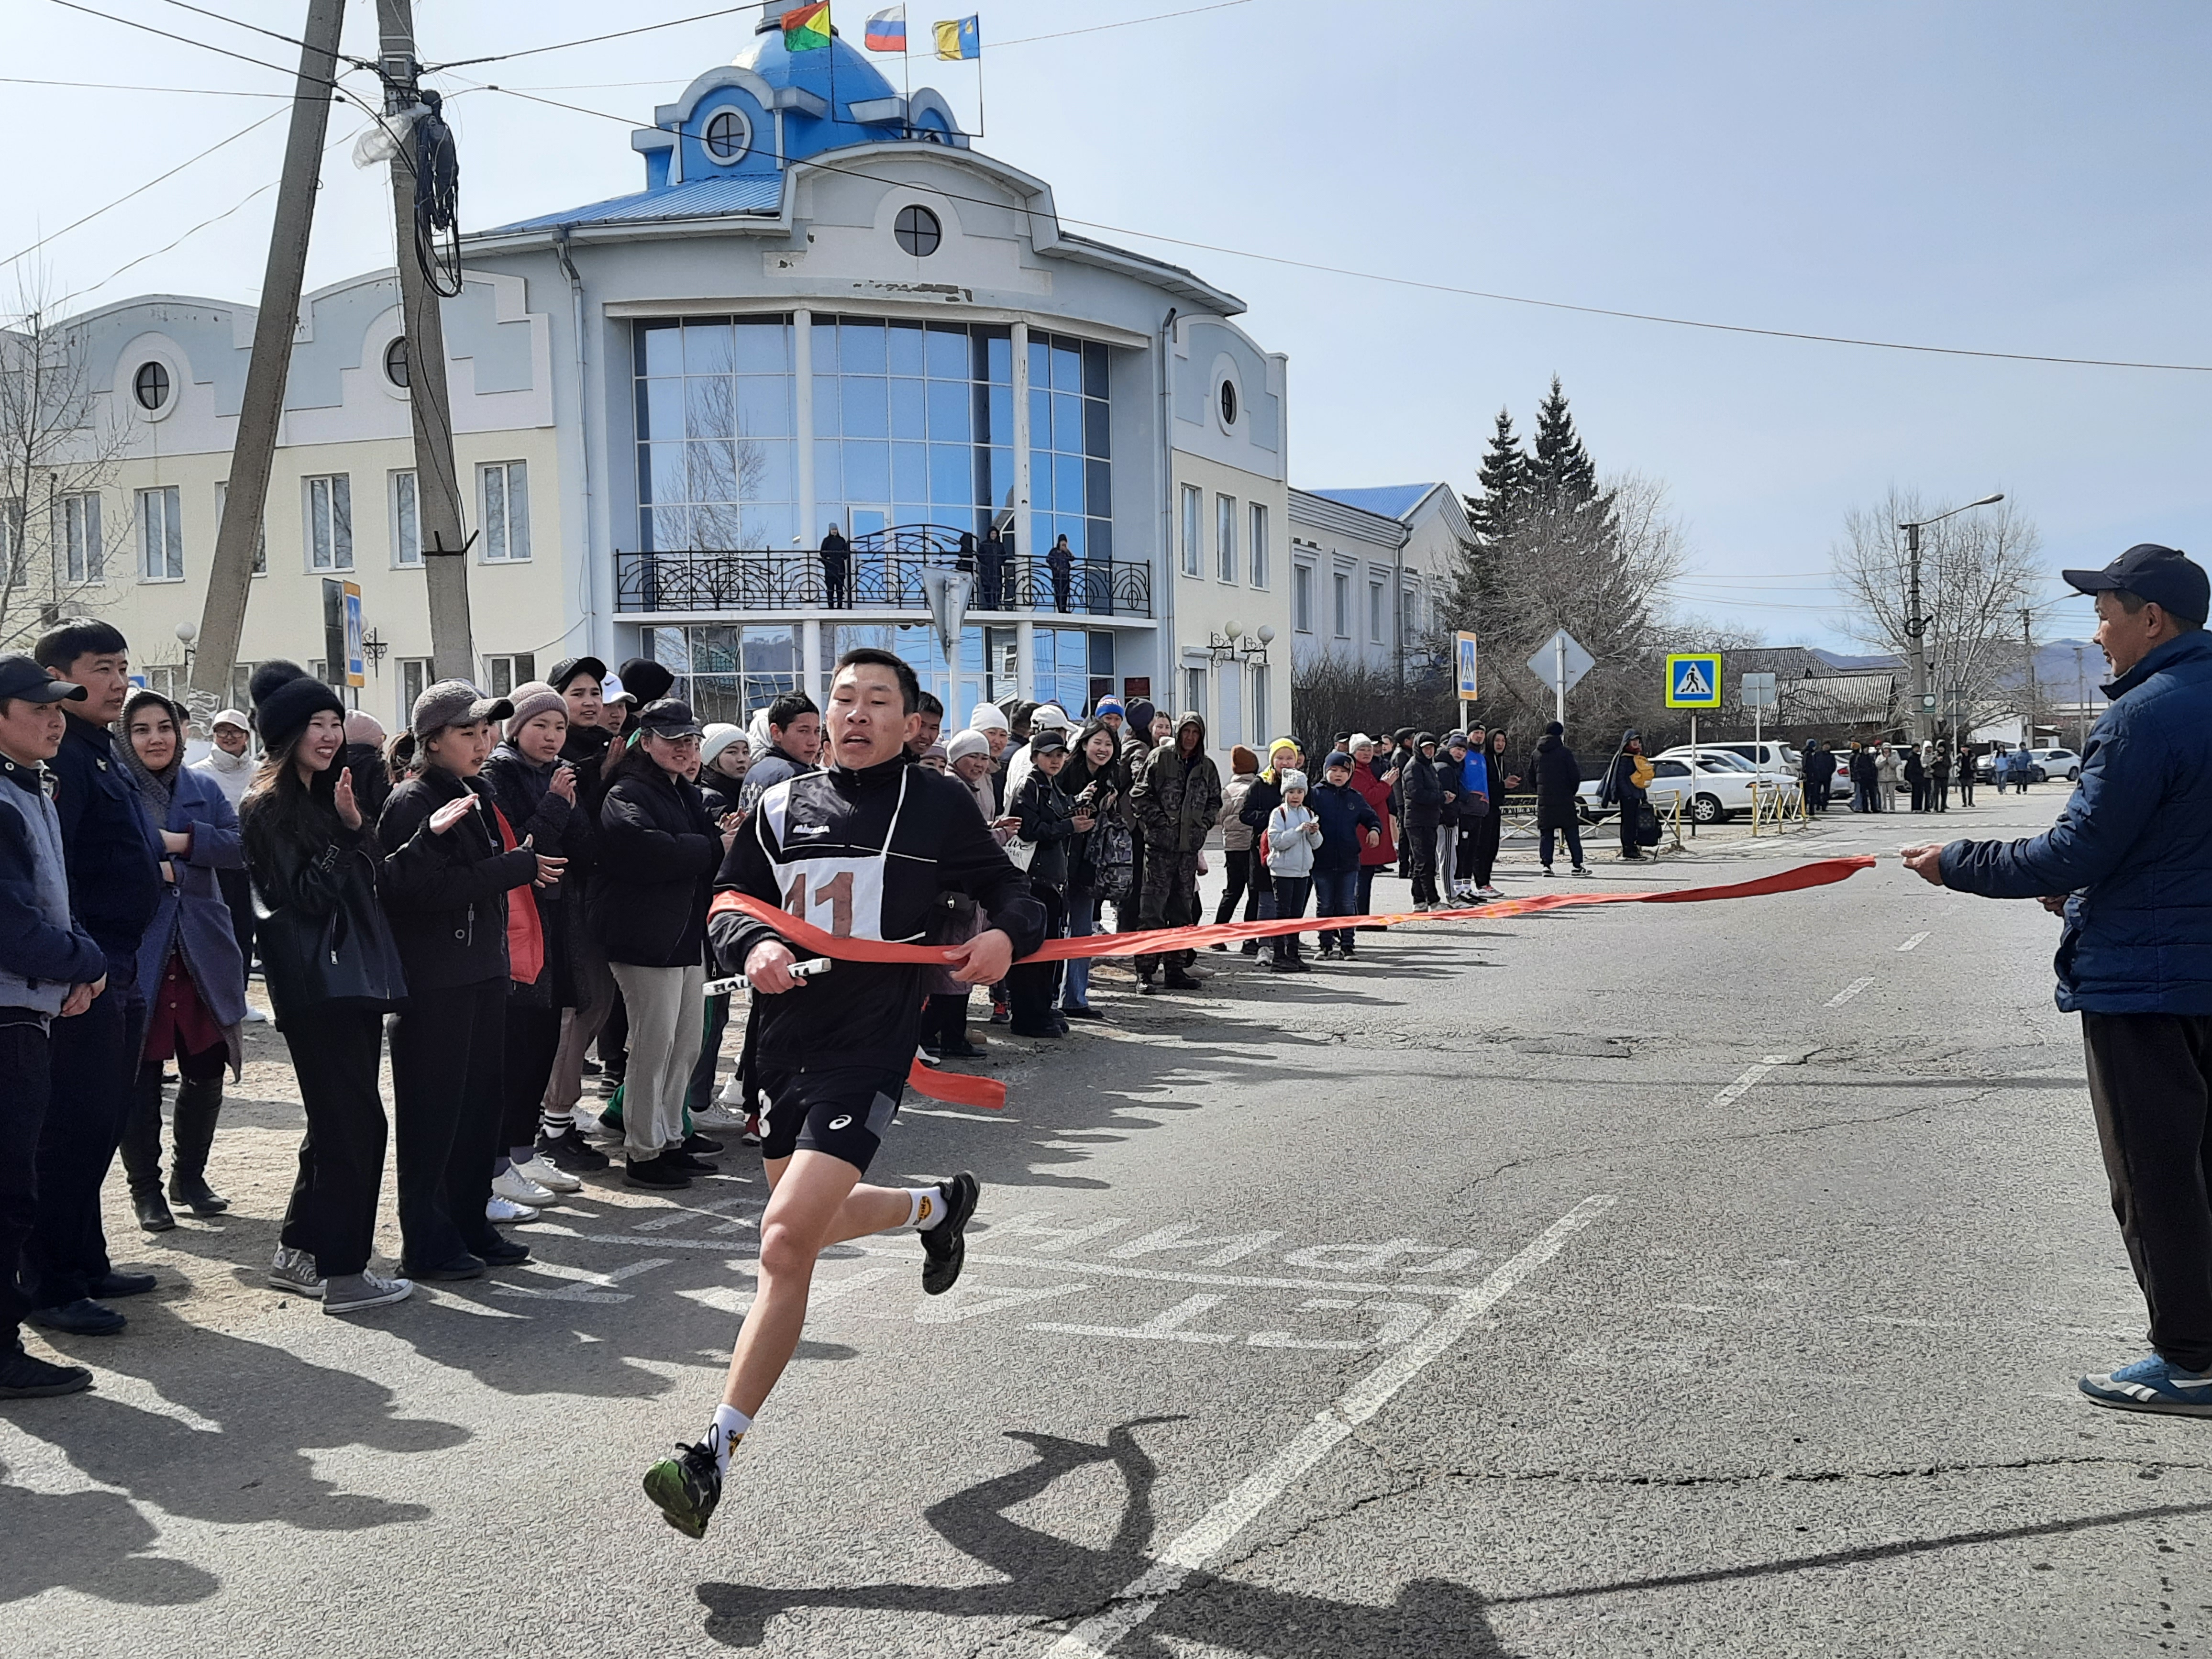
(1503, 475)
(1561, 475)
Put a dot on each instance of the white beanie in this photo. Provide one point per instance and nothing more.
(967, 743)
(1359, 740)
(1291, 779)
(985, 717)
(718, 737)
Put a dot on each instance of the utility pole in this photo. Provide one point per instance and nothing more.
(2080, 704)
(230, 576)
(437, 485)
(2028, 651)
(1915, 625)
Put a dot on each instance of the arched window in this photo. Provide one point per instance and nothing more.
(150, 385)
(918, 231)
(1228, 402)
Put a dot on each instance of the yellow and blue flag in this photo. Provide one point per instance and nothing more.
(960, 39)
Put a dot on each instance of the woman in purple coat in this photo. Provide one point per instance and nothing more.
(188, 963)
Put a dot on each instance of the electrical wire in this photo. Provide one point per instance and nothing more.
(220, 145)
(588, 41)
(186, 40)
(289, 39)
(110, 86)
(817, 163)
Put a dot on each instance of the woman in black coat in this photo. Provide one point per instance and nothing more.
(333, 972)
(1559, 780)
(1622, 790)
(658, 855)
(445, 880)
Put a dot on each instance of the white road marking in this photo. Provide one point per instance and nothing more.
(1401, 1323)
(1741, 1086)
(1849, 991)
(661, 1223)
(1098, 1635)
(966, 1301)
(1913, 942)
(1165, 1327)
(588, 1286)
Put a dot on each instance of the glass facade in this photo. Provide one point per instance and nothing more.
(1071, 452)
(716, 466)
(725, 672)
(913, 424)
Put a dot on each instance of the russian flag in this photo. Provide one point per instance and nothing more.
(887, 30)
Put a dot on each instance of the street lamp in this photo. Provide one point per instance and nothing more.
(1915, 625)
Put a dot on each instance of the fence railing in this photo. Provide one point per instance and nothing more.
(873, 577)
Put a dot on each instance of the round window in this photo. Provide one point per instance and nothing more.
(918, 231)
(1228, 402)
(395, 362)
(150, 385)
(728, 135)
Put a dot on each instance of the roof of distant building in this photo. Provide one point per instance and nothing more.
(1391, 501)
(761, 193)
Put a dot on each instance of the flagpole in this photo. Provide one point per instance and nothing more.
(982, 124)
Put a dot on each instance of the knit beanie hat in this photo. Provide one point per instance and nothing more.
(1242, 760)
(1109, 704)
(966, 743)
(1293, 780)
(1337, 758)
(532, 699)
(985, 717)
(645, 679)
(718, 737)
(285, 698)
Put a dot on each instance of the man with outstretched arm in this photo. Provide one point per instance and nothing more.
(861, 850)
(2129, 865)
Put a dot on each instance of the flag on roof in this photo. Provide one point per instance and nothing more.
(807, 28)
(960, 39)
(887, 30)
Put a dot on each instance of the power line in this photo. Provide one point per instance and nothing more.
(289, 39)
(110, 86)
(185, 39)
(816, 162)
(588, 41)
(220, 145)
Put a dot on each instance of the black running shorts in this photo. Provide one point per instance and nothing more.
(841, 1110)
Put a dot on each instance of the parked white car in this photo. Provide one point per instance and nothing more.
(1719, 788)
(1764, 756)
(2057, 762)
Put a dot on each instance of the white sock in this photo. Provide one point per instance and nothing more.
(924, 1207)
(729, 1427)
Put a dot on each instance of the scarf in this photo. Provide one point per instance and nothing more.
(156, 790)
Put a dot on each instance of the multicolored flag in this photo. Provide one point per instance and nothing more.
(959, 39)
(887, 30)
(807, 28)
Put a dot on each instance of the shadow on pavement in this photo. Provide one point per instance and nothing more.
(1050, 1583)
(94, 1542)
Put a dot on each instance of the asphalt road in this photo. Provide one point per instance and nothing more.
(1673, 1280)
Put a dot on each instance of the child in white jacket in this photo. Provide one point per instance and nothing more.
(1293, 832)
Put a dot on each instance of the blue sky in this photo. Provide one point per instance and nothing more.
(2021, 176)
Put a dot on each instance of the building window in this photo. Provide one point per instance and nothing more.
(1259, 544)
(395, 362)
(14, 559)
(729, 135)
(1302, 597)
(1260, 724)
(150, 385)
(170, 680)
(1194, 505)
(1225, 537)
(1375, 612)
(85, 557)
(1071, 453)
(506, 512)
(406, 522)
(1409, 614)
(503, 674)
(716, 460)
(1194, 693)
(1228, 402)
(1340, 590)
(724, 672)
(414, 678)
(260, 537)
(330, 522)
(160, 534)
(918, 231)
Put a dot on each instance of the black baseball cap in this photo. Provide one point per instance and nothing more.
(1051, 741)
(2166, 577)
(22, 680)
(669, 719)
(568, 668)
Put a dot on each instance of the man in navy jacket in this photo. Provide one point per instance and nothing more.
(2129, 865)
(115, 886)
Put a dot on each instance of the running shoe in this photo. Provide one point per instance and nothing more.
(750, 1135)
(549, 1175)
(26, 1377)
(569, 1151)
(1488, 894)
(686, 1488)
(505, 1209)
(518, 1189)
(1581, 869)
(701, 1145)
(294, 1271)
(2151, 1384)
(945, 1246)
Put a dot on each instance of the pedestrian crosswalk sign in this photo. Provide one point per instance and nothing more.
(1693, 679)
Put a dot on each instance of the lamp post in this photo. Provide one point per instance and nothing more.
(2080, 704)
(1915, 625)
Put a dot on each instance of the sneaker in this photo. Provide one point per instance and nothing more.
(655, 1172)
(83, 1318)
(607, 1084)
(588, 1067)
(569, 1149)
(497, 1252)
(686, 1487)
(1250, 947)
(294, 1271)
(466, 1265)
(1581, 870)
(1000, 1014)
(701, 1145)
(351, 1293)
(255, 1016)
(1328, 952)
(688, 1162)
(505, 1209)
(945, 1246)
(1085, 1012)
(518, 1189)
(1547, 872)
(750, 1135)
(2151, 1384)
(1179, 980)
(1488, 894)
(549, 1176)
(732, 1098)
(25, 1376)
(1217, 945)
(963, 1050)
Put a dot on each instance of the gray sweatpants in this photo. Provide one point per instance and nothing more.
(667, 1011)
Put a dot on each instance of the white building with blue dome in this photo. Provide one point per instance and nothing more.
(826, 307)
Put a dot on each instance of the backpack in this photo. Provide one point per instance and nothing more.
(1113, 855)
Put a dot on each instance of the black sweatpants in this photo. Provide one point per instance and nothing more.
(448, 1050)
(24, 1079)
(238, 896)
(94, 1059)
(1422, 860)
(2150, 1084)
(332, 1216)
(531, 1037)
(1241, 885)
(1034, 987)
(1489, 833)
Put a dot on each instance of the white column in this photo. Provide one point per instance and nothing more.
(810, 658)
(802, 359)
(1026, 661)
(1021, 525)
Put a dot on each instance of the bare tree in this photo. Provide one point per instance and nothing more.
(1977, 571)
(57, 453)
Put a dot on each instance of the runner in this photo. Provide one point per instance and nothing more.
(864, 850)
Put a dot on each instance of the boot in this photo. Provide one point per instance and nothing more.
(192, 1134)
(140, 1144)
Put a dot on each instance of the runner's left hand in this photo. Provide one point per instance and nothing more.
(1924, 861)
(983, 960)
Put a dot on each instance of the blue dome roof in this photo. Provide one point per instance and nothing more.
(856, 79)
